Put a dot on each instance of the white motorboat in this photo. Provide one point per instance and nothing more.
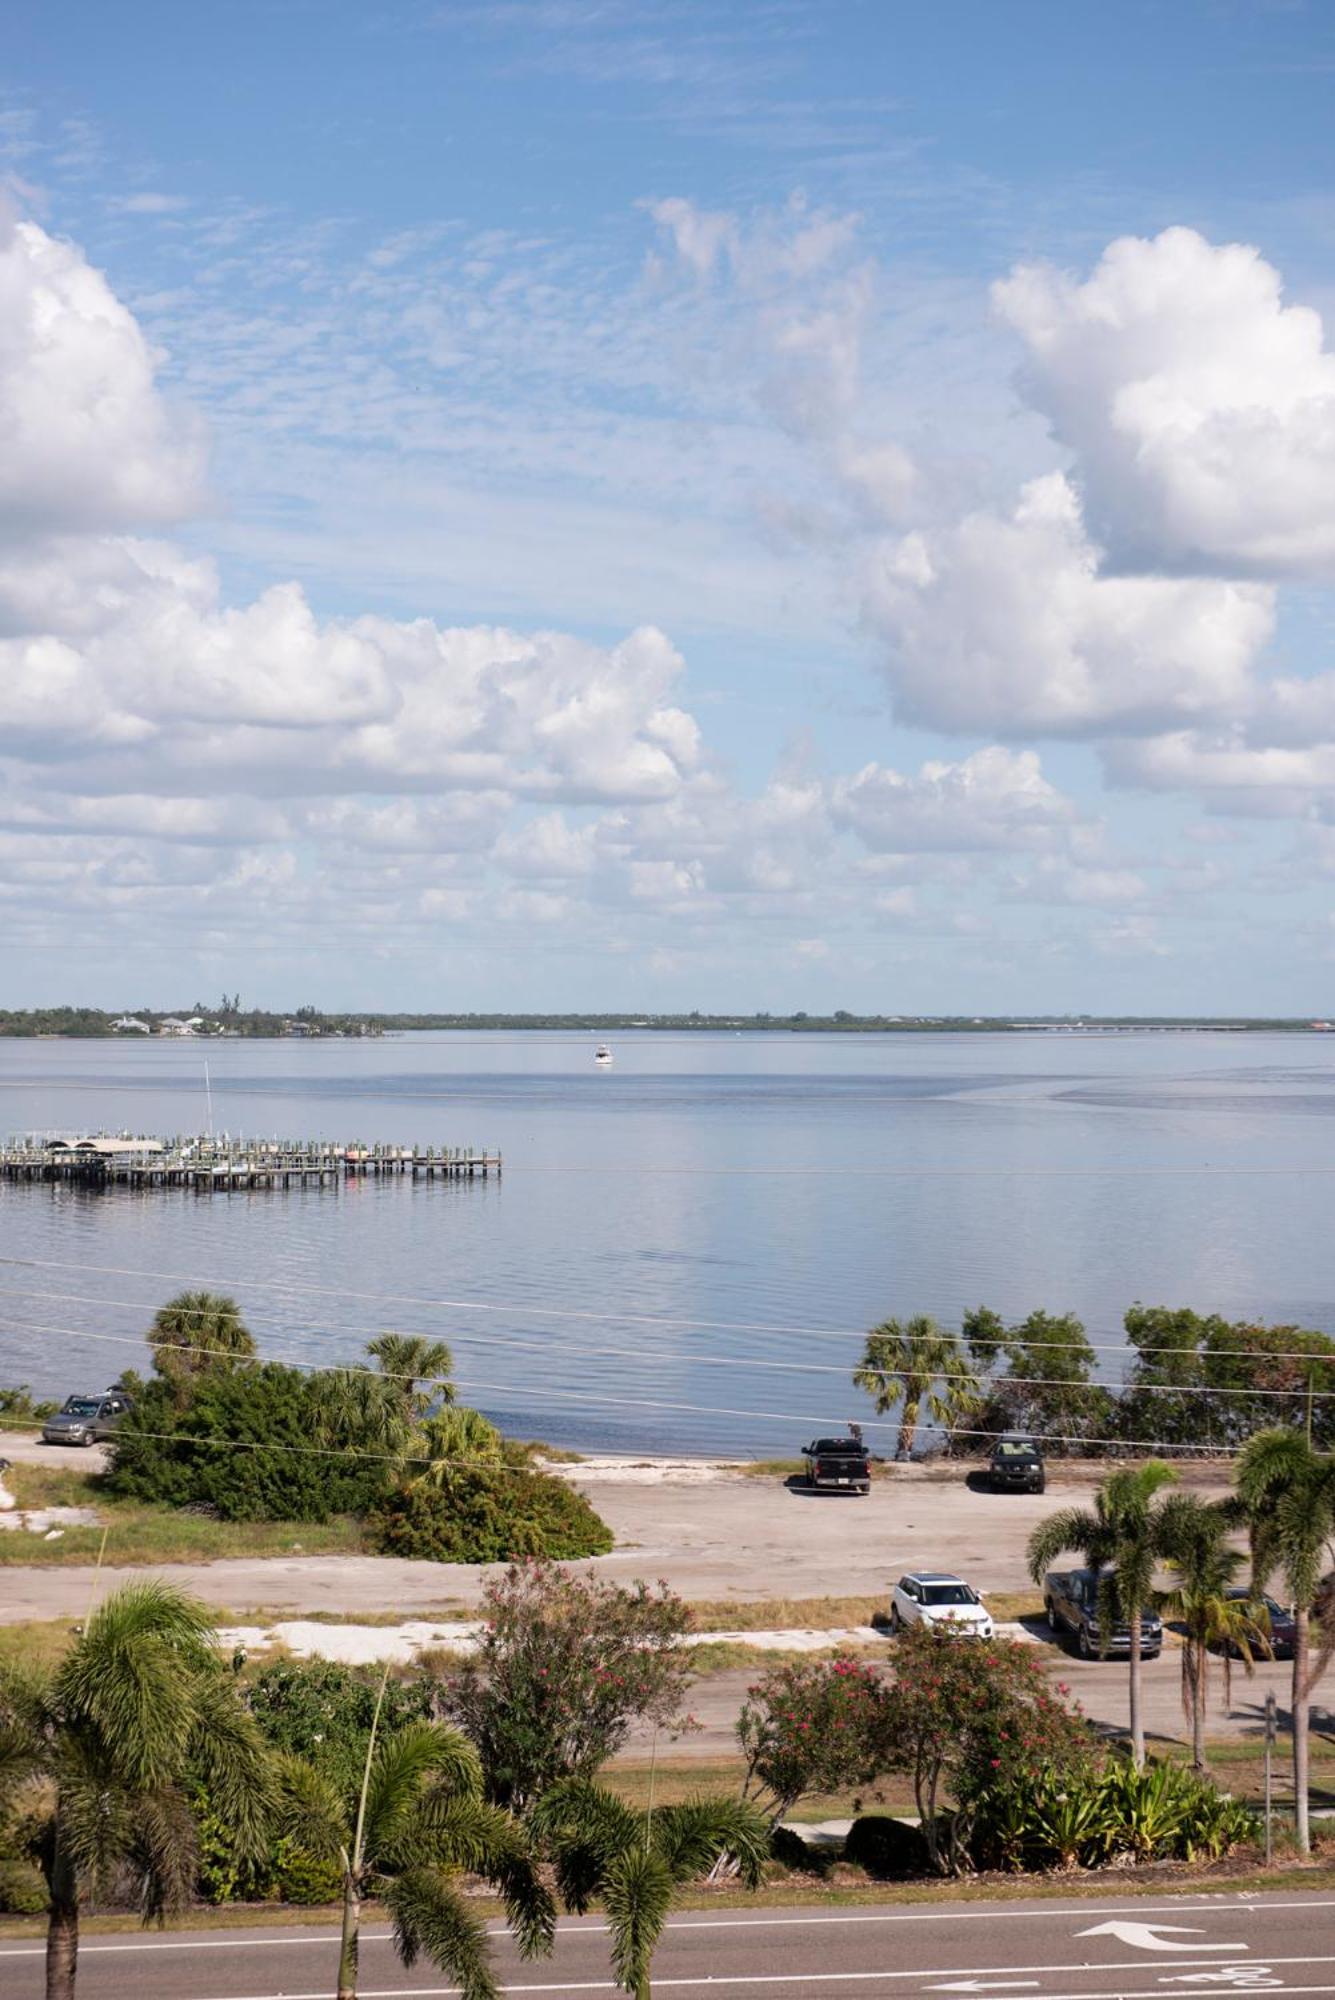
(602, 1055)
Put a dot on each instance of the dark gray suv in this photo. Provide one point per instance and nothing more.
(85, 1419)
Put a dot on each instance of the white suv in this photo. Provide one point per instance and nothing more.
(930, 1597)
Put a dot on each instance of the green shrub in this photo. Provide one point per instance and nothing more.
(1087, 1819)
(812, 1726)
(22, 1891)
(886, 1847)
(18, 1405)
(485, 1516)
(306, 1878)
(568, 1663)
(276, 1472)
(321, 1711)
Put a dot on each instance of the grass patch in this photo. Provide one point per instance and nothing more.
(141, 1534)
(676, 1779)
(40, 1644)
(555, 1454)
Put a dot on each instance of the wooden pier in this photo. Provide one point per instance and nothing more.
(230, 1166)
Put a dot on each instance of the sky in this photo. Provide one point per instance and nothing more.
(654, 504)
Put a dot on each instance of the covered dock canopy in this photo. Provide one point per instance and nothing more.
(102, 1147)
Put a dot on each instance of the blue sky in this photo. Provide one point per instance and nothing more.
(597, 502)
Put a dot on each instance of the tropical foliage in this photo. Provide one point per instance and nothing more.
(918, 1368)
(811, 1726)
(1122, 1541)
(404, 1834)
(1089, 1818)
(1196, 1381)
(965, 1720)
(100, 1762)
(1195, 1540)
(1039, 1378)
(260, 1441)
(1288, 1491)
(566, 1666)
(634, 1861)
(198, 1333)
(488, 1513)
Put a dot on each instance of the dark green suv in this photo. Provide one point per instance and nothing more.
(1016, 1466)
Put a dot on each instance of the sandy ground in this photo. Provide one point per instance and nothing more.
(713, 1534)
(708, 1530)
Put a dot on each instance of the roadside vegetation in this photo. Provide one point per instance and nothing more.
(224, 1454)
(143, 1769)
(1196, 1381)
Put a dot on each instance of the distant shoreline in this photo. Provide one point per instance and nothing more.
(310, 1024)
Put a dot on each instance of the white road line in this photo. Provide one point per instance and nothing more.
(921, 1974)
(780, 1979)
(1223, 1905)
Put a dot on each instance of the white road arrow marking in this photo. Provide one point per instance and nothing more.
(1150, 1937)
(978, 1985)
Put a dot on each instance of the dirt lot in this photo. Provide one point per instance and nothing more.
(711, 1531)
(715, 1533)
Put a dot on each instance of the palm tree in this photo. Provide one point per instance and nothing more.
(418, 1819)
(1195, 1541)
(1121, 1541)
(453, 1437)
(95, 1758)
(1288, 1491)
(904, 1362)
(634, 1861)
(379, 1409)
(197, 1332)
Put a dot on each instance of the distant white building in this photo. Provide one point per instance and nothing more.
(128, 1025)
(172, 1025)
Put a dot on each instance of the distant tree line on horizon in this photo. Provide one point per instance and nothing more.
(1197, 1381)
(260, 1022)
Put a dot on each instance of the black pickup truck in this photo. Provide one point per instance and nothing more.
(1071, 1601)
(840, 1463)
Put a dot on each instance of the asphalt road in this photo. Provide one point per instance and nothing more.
(1114, 1950)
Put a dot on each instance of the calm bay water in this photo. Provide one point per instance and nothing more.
(684, 1249)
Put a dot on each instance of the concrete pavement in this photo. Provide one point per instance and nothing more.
(1106, 1949)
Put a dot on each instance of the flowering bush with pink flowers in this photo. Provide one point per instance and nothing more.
(970, 1720)
(567, 1664)
(812, 1726)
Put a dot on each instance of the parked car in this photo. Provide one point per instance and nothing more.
(936, 1599)
(1274, 1621)
(1071, 1602)
(85, 1419)
(1016, 1466)
(843, 1463)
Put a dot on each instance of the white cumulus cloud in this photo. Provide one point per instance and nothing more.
(1199, 407)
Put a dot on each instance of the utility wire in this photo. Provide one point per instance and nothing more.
(645, 1354)
(482, 1465)
(527, 1311)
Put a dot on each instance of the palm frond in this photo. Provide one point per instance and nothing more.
(231, 1755)
(488, 1841)
(404, 1764)
(691, 1836)
(1073, 1530)
(582, 1828)
(129, 1678)
(637, 1893)
(431, 1920)
(309, 1809)
(164, 1852)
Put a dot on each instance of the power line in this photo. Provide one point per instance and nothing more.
(636, 1354)
(475, 1464)
(523, 1310)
